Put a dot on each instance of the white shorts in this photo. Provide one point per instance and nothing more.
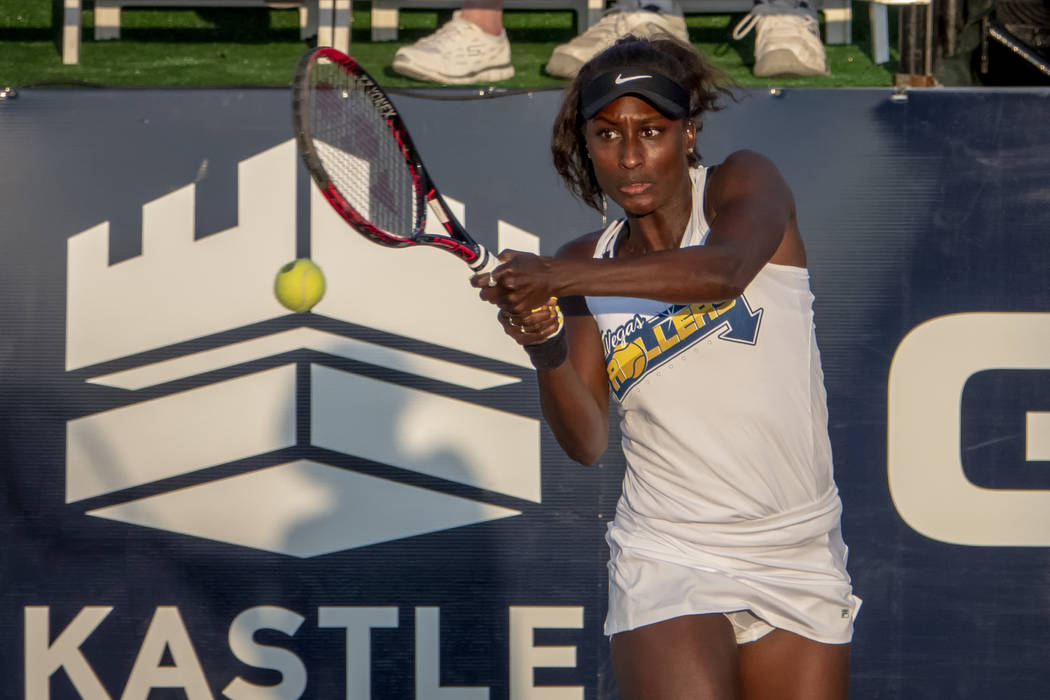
(799, 588)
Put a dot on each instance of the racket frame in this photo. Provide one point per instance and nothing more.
(457, 241)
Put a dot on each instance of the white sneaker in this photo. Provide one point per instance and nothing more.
(787, 41)
(625, 17)
(458, 53)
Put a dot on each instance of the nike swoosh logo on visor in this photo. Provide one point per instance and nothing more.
(620, 80)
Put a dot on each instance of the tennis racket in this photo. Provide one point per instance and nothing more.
(358, 151)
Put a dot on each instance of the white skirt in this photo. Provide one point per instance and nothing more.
(802, 588)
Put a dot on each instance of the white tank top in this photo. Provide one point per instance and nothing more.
(722, 410)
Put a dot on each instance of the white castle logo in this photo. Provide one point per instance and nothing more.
(136, 459)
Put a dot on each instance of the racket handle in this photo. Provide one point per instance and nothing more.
(486, 261)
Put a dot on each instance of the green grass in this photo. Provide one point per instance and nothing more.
(260, 47)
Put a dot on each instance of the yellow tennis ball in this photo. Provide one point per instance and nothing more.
(299, 285)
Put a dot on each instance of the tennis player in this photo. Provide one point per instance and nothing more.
(727, 571)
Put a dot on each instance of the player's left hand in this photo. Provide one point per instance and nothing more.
(534, 327)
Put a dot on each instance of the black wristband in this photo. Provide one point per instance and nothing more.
(551, 353)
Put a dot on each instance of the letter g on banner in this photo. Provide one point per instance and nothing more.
(924, 463)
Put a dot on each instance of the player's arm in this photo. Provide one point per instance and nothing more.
(574, 393)
(575, 396)
(751, 212)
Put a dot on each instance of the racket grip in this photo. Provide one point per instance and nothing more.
(486, 262)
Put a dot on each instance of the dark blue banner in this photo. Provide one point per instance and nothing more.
(208, 496)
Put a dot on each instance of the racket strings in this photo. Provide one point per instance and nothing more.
(361, 153)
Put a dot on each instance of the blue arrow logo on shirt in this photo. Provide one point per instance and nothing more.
(638, 346)
(743, 323)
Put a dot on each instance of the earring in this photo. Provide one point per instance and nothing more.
(605, 206)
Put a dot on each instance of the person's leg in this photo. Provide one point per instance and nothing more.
(685, 658)
(785, 666)
(487, 14)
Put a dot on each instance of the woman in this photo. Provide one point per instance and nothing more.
(727, 572)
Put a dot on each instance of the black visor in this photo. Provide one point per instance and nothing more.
(666, 96)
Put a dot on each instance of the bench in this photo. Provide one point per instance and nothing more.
(328, 19)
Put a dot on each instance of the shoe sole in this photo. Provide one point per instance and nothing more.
(493, 74)
(783, 62)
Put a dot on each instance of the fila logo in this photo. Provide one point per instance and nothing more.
(620, 80)
(928, 484)
(264, 429)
